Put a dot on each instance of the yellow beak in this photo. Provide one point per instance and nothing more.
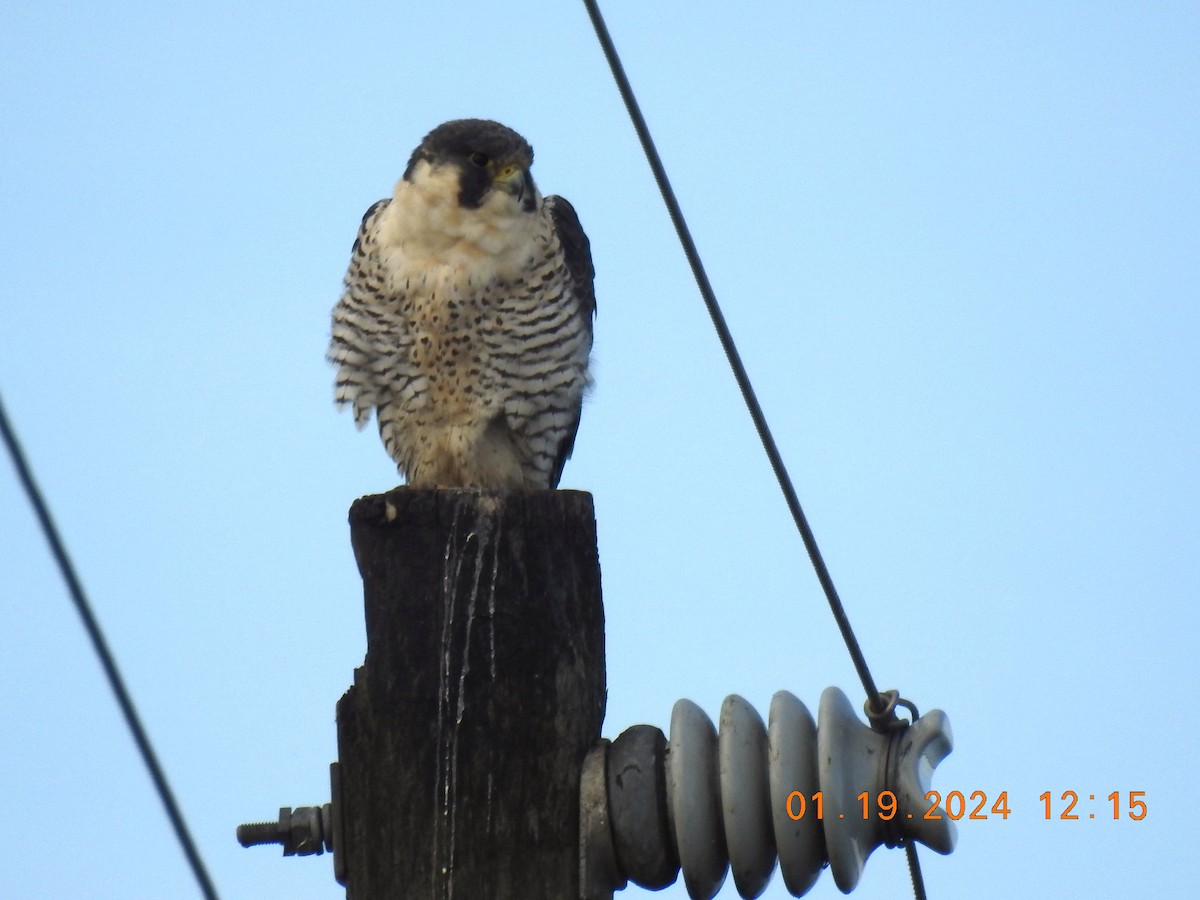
(514, 180)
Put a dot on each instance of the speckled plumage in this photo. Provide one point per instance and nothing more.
(465, 322)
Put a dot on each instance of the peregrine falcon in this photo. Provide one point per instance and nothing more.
(465, 321)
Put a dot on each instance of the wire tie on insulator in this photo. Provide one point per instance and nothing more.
(885, 719)
(882, 716)
(887, 722)
(892, 834)
(911, 707)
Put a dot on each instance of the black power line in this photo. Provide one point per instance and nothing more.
(731, 352)
(875, 702)
(914, 869)
(106, 658)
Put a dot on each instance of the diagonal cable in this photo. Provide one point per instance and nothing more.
(875, 702)
(914, 869)
(106, 658)
(731, 352)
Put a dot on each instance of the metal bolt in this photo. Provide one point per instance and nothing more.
(252, 834)
(304, 831)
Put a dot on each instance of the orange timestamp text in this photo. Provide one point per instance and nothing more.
(973, 807)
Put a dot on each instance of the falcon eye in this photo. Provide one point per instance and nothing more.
(480, 159)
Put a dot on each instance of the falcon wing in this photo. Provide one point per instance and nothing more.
(577, 253)
(351, 340)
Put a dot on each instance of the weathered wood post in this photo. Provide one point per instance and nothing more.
(460, 742)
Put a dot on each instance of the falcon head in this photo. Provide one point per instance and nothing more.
(489, 159)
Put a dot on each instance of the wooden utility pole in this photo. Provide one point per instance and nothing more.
(461, 741)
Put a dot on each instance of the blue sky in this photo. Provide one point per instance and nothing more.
(957, 245)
